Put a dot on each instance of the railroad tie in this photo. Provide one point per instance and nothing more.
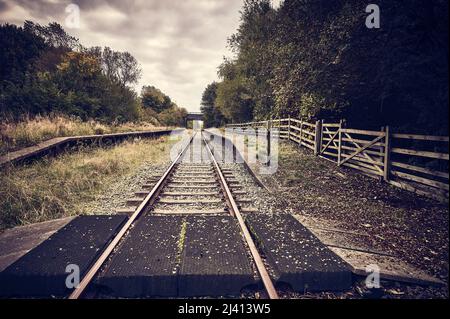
(189, 194)
(187, 201)
(136, 201)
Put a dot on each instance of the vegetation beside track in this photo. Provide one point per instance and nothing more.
(30, 131)
(58, 187)
(45, 71)
(411, 227)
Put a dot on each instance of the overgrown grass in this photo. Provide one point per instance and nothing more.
(58, 187)
(30, 131)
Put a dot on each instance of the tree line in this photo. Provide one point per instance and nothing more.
(44, 70)
(317, 59)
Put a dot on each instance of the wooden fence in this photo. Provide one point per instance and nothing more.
(417, 163)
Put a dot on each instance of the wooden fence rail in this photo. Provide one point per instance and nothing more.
(417, 163)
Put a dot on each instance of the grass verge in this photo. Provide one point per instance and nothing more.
(57, 187)
(30, 131)
(395, 221)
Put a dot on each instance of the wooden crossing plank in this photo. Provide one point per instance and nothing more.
(298, 257)
(42, 271)
(214, 261)
(146, 263)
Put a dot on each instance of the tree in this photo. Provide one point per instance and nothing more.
(253, 43)
(316, 59)
(90, 93)
(19, 49)
(45, 70)
(173, 116)
(156, 103)
(211, 115)
(121, 67)
(234, 99)
(53, 35)
(153, 98)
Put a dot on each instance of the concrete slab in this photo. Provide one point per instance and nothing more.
(146, 263)
(297, 256)
(391, 268)
(352, 247)
(214, 260)
(321, 223)
(53, 144)
(16, 242)
(41, 272)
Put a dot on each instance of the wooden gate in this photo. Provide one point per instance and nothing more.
(329, 143)
(364, 150)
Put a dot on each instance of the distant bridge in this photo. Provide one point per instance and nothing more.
(194, 116)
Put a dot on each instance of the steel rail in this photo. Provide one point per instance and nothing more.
(78, 291)
(268, 284)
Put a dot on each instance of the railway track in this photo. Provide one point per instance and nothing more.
(194, 184)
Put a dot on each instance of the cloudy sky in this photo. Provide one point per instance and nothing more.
(179, 43)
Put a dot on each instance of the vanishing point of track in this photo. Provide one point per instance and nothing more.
(213, 189)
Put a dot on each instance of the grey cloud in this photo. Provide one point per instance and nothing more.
(179, 43)
(3, 5)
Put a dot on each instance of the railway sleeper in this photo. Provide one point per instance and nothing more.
(244, 200)
(126, 210)
(189, 201)
(141, 194)
(190, 193)
(159, 211)
(193, 181)
(135, 201)
(182, 176)
(191, 186)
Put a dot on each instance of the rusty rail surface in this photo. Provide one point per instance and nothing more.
(78, 291)
(268, 285)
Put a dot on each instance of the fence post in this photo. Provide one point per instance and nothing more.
(321, 137)
(269, 128)
(317, 138)
(387, 154)
(340, 143)
(301, 132)
(289, 128)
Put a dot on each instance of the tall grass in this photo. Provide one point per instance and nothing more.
(30, 131)
(58, 187)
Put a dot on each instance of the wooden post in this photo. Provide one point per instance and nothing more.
(269, 128)
(340, 143)
(321, 137)
(317, 137)
(223, 145)
(289, 128)
(387, 154)
(301, 131)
